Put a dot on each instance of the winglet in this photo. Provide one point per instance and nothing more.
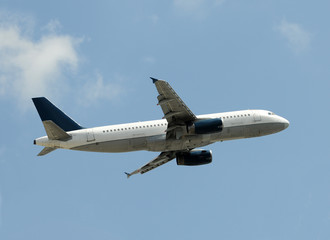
(132, 173)
(154, 79)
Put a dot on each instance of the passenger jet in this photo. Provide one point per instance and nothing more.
(178, 135)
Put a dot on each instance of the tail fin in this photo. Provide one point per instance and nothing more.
(49, 112)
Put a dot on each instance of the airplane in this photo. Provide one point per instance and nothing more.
(178, 135)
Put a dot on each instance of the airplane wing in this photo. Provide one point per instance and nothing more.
(177, 115)
(175, 110)
(163, 158)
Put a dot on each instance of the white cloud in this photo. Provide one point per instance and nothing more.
(34, 67)
(99, 89)
(298, 38)
(53, 26)
(31, 67)
(26, 23)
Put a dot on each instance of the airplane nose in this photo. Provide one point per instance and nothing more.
(286, 123)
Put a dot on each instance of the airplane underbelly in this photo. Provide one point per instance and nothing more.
(252, 131)
(187, 142)
(235, 132)
(153, 143)
(156, 143)
(109, 146)
(137, 143)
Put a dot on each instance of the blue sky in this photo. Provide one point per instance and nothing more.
(93, 60)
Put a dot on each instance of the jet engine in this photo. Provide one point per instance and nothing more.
(194, 157)
(205, 126)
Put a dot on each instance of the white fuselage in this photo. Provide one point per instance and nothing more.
(151, 135)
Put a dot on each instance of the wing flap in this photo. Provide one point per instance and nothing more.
(174, 109)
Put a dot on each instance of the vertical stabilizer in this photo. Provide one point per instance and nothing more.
(48, 111)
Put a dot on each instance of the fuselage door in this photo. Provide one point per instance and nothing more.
(256, 116)
(90, 135)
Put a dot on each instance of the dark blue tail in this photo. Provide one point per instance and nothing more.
(48, 111)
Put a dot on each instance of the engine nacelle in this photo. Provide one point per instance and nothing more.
(194, 157)
(206, 126)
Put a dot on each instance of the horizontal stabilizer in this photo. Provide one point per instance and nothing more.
(54, 132)
(46, 150)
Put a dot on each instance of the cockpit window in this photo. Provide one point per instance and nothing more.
(271, 113)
